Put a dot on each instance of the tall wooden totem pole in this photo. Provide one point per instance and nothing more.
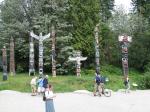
(124, 41)
(12, 58)
(78, 58)
(4, 62)
(31, 57)
(53, 52)
(97, 54)
(41, 38)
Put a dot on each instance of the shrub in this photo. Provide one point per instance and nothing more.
(144, 82)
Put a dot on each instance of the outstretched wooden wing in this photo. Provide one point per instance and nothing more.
(83, 58)
(46, 36)
(72, 59)
(33, 35)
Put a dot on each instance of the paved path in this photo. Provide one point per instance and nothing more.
(136, 101)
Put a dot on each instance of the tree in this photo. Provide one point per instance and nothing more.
(21, 16)
(142, 7)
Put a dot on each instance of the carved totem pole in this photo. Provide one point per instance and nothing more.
(4, 61)
(125, 40)
(78, 60)
(31, 56)
(97, 55)
(41, 39)
(53, 52)
(12, 58)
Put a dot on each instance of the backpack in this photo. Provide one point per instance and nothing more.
(98, 79)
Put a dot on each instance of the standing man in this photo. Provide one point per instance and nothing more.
(45, 82)
(127, 84)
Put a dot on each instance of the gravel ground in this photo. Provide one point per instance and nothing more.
(78, 101)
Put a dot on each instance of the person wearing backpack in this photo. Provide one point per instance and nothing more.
(99, 84)
(40, 85)
(127, 84)
(45, 82)
(97, 81)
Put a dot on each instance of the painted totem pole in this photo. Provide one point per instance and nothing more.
(12, 58)
(78, 60)
(125, 40)
(97, 54)
(4, 61)
(41, 39)
(31, 56)
(53, 52)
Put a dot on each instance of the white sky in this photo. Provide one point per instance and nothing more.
(125, 3)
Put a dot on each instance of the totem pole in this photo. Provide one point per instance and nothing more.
(97, 55)
(78, 60)
(41, 39)
(12, 58)
(125, 40)
(31, 56)
(4, 60)
(53, 53)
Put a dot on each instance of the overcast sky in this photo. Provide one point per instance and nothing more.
(126, 4)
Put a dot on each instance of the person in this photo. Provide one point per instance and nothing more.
(127, 84)
(49, 104)
(33, 85)
(45, 82)
(99, 84)
(40, 85)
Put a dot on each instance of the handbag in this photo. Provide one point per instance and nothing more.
(44, 97)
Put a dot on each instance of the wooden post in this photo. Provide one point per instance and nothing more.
(12, 58)
(78, 60)
(53, 52)
(97, 54)
(41, 38)
(4, 60)
(125, 40)
(31, 56)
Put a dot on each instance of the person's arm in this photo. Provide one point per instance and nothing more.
(49, 95)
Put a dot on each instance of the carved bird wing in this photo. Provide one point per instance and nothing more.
(46, 36)
(33, 35)
(83, 58)
(72, 59)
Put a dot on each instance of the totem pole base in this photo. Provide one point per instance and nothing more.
(4, 77)
(31, 73)
(12, 74)
(54, 74)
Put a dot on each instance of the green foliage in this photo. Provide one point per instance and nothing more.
(74, 22)
(144, 82)
(21, 82)
(106, 8)
(142, 7)
(83, 16)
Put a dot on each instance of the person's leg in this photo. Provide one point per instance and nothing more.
(99, 89)
(95, 89)
(128, 88)
(102, 88)
(34, 90)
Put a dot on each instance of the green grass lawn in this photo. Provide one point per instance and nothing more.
(69, 83)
